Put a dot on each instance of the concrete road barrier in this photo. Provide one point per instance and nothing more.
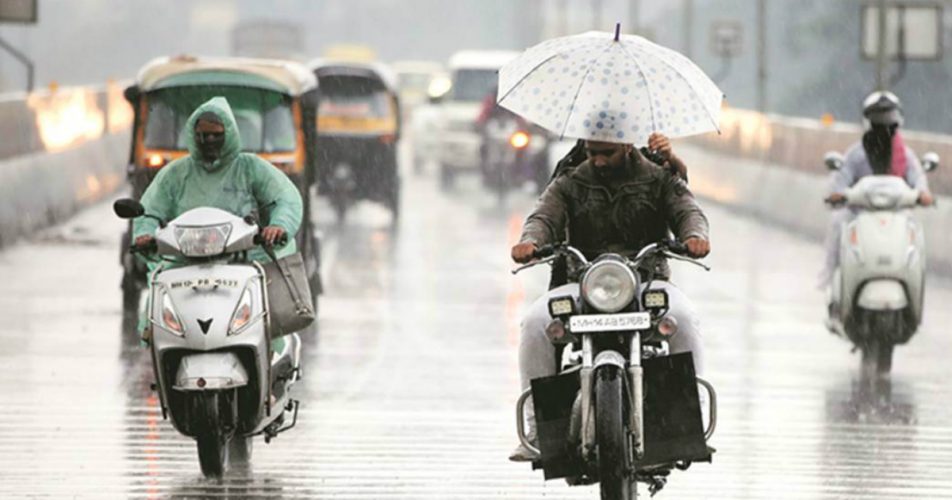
(793, 198)
(39, 189)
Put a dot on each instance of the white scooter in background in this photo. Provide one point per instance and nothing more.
(878, 289)
(215, 371)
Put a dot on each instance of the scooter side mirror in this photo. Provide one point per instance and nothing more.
(833, 160)
(127, 208)
(930, 161)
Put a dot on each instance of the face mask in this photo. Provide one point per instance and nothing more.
(210, 145)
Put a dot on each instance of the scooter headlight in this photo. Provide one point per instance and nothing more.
(204, 241)
(609, 286)
(882, 199)
(242, 317)
(170, 319)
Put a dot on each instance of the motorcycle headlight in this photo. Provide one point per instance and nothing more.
(609, 286)
(170, 319)
(202, 241)
(243, 314)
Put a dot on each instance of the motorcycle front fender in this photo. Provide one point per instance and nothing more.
(210, 371)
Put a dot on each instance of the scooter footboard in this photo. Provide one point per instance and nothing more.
(210, 371)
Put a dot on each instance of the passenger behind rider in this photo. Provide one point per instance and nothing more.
(881, 151)
(216, 173)
(614, 201)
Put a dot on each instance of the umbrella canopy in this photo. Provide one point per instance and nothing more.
(609, 88)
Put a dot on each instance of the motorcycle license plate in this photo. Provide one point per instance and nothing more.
(622, 322)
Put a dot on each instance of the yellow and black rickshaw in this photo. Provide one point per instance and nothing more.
(275, 105)
(358, 128)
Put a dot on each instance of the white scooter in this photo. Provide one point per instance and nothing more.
(878, 289)
(215, 371)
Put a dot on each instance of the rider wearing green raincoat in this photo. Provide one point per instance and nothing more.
(228, 179)
(217, 174)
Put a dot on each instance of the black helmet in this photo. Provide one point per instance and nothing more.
(882, 108)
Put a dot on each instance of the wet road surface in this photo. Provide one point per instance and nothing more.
(410, 382)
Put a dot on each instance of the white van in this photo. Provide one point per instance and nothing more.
(474, 76)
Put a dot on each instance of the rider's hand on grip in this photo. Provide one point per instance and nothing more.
(273, 235)
(697, 247)
(835, 199)
(143, 244)
(523, 252)
(926, 199)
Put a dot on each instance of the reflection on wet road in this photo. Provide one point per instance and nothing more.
(409, 384)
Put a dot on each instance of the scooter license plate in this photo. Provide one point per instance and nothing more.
(622, 322)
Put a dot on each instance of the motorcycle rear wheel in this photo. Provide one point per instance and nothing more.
(610, 436)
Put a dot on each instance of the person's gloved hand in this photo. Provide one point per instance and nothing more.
(926, 199)
(144, 240)
(522, 253)
(698, 247)
(272, 234)
(660, 144)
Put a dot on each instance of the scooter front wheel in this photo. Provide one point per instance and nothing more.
(211, 441)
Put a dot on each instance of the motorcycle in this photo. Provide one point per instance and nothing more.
(878, 289)
(513, 153)
(621, 410)
(216, 375)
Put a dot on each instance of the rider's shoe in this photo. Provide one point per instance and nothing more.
(523, 454)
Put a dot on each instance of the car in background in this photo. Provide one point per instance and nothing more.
(413, 82)
(473, 74)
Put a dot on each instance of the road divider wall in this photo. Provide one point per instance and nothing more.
(776, 172)
(61, 150)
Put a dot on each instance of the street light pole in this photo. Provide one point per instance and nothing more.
(762, 55)
(688, 27)
(633, 17)
(881, 48)
(597, 14)
(20, 56)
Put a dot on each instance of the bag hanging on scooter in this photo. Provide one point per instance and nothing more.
(289, 294)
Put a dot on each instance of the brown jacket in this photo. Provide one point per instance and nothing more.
(637, 209)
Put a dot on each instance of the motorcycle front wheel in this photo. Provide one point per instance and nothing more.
(610, 436)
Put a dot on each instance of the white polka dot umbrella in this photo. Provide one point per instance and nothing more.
(611, 88)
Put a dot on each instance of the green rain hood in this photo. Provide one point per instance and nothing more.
(236, 182)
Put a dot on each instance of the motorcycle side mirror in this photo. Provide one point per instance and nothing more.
(127, 208)
(833, 161)
(930, 161)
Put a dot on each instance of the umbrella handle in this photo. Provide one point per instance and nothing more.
(617, 31)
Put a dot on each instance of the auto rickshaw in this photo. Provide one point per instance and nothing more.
(275, 105)
(358, 127)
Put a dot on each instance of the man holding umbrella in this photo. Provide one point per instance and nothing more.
(612, 92)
